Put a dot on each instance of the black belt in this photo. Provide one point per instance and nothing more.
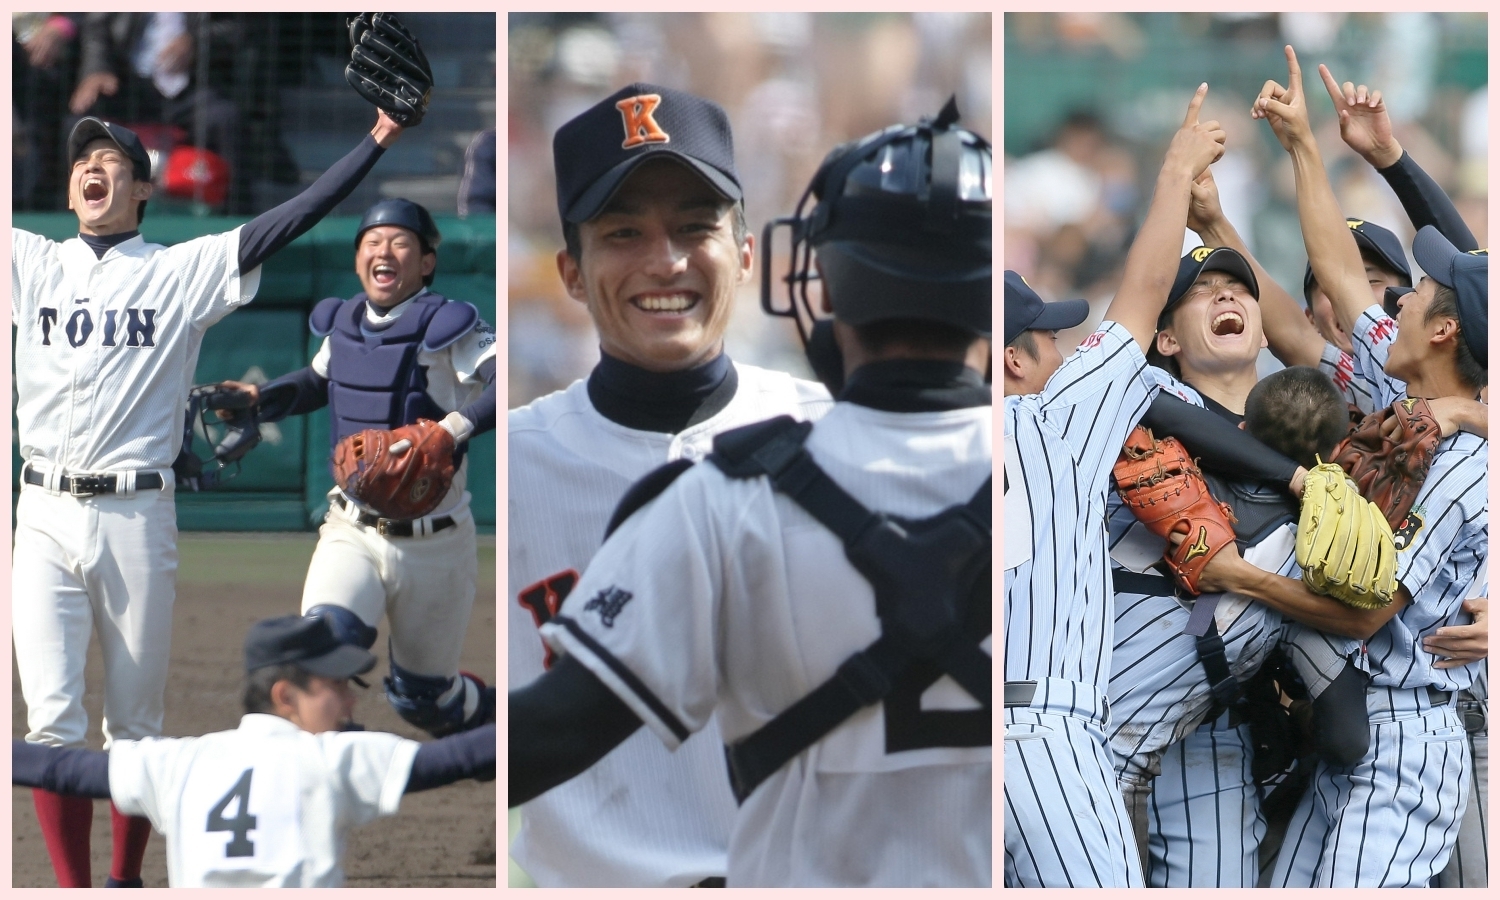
(1437, 697)
(711, 881)
(89, 485)
(1019, 693)
(394, 527)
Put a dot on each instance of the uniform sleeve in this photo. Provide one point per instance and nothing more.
(644, 619)
(209, 278)
(371, 769)
(140, 779)
(321, 358)
(1374, 333)
(26, 252)
(1095, 398)
(1347, 377)
(1445, 537)
(471, 351)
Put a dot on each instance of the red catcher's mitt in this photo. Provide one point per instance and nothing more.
(1160, 484)
(1389, 454)
(400, 474)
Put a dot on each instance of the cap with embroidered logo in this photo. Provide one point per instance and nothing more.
(1467, 274)
(594, 152)
(1375, 241)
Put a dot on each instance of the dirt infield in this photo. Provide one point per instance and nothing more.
(441, 838)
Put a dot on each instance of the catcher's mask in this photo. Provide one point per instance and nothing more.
(404, 214)
(230, 439)
(902, 230)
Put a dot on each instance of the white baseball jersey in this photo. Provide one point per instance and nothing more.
(723, 595)
(452, 375)
(642, 816)
(1411, 787)
(264, 805)
(106, 348)
(1065, 824)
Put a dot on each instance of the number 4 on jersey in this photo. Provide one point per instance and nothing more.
(242, 822)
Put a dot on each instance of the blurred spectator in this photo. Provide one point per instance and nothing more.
(42, 48)
(138, 68)
(476, 190)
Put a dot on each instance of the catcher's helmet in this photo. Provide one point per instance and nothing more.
(405, 214)
(901, 227)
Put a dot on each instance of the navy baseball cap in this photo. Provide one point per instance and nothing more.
(594, 152)
(90, 128)
(1025, 310)
(1374, 240)
(1468, 275)
(307, 641)
(1207, 259)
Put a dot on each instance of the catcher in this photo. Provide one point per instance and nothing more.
(408, 376)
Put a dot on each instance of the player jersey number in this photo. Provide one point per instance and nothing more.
(544, 598)
(242, 823)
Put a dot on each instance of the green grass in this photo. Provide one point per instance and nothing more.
(266, 558)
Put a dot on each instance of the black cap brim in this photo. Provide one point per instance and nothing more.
(91, 128)
(343, 661)
(1060, 314)
(592, 201)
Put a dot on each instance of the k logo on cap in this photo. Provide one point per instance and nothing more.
(640, 124)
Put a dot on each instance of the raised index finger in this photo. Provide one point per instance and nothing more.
(1334, 92)
(1293, 71)
(1195, 104)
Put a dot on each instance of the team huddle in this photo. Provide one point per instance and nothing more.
(1245, 629)
(108, 332)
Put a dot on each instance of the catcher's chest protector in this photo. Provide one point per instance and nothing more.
(932, 593)
(374, 380)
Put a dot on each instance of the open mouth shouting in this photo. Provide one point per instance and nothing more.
(666, 303)
(94, 190)
(385, 275)
(1228, 323)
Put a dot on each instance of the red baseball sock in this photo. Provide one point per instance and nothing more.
(65, 825)
(130, 836)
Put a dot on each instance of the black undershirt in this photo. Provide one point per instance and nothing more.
(100, 243)
(667, 402)
(916, 385)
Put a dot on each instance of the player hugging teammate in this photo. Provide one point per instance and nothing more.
(1293, 658)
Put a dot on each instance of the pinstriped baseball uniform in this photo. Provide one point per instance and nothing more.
(105, 350)
(642, 816)
(1350, 382)
(1064, 822)
(1414, 780)
(1469, 865)
(1204, 811)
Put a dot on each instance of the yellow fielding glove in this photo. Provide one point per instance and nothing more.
(1344, 543)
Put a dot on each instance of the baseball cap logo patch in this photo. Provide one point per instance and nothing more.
(1355, 223)
(1202, 253)
(640, 123)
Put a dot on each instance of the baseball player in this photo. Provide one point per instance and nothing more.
(1065, 822)
(850, 666)
(1414, 779)
(394, 354)
(271, 803)
(108, 329)
(656, 249)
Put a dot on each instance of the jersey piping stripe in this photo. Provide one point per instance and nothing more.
(636, 686)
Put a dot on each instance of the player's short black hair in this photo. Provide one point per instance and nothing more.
(936, 338)
(258, 684)
(1026, 343)
(1297, 412)
(574, 245)
(1445, 305)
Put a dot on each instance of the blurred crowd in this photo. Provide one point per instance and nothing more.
(794, 84)
(1079, 164)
